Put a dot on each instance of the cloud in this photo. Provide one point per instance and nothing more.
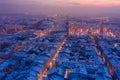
(99, 3)
(80, 7)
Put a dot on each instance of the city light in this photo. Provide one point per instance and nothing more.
(83, 31)
(59, 40)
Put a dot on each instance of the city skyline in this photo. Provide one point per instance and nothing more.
(59, 40)
(74, 7)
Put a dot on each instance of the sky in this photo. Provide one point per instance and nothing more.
(74, 7)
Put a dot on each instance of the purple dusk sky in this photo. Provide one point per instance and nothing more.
(76, 7)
